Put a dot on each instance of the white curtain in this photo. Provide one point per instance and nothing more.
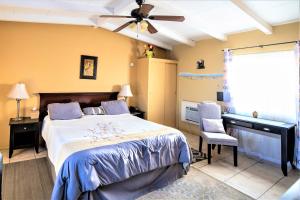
(266, 83)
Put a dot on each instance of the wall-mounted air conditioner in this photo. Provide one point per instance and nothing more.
(189, 112)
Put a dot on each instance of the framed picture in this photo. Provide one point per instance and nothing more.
(88, 67)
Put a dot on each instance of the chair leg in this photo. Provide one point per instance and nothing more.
(200, 144)
(209, 153)
(235, 154)
(219, 148)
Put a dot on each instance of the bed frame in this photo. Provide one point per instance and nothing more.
(130, 188)
(85, 99)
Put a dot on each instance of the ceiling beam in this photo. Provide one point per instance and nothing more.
(173, 35)
(258, 22)
(55, 6)
(191, 20)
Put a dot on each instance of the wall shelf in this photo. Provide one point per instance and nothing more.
(199, 76)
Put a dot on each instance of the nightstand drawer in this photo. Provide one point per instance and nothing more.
(25, 128)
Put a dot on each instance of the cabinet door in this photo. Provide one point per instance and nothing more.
(170, 94)
(142, 85)
(156, 95)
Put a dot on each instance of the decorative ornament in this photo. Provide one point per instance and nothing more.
(255, 114)
(149, 51)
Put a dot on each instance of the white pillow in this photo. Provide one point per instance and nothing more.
(213, 125)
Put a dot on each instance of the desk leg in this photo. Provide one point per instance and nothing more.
(291, 146)
(284, 138)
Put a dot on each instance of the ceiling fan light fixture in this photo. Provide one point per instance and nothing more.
(132, 26)
(143, 26)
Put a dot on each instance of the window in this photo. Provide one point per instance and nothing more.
(266, 83)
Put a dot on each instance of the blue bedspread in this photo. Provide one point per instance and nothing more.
(89, 169)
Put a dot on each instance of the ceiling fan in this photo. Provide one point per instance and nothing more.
(141, 15)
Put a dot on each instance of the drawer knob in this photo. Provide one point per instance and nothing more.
(25, 128)
(233, 122)
(266, 129)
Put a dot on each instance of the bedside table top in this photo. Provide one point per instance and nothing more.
(25, 120)
(137, 112)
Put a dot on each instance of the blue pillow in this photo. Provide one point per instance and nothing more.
(115, 107)
(64, 111)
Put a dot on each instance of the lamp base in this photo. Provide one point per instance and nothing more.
(18, 119)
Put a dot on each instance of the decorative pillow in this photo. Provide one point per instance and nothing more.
(64, 111)
(93, 110)
(213, 125)
(115, 107)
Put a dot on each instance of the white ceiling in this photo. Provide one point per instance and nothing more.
(204, 18)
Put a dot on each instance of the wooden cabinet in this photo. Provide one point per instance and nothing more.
(156, 89)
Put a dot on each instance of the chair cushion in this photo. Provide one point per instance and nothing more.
(219, 138)
(213, 125)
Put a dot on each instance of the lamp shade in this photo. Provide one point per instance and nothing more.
(125, 91)
(18, 92)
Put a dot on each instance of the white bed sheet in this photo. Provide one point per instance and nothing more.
(65, 137)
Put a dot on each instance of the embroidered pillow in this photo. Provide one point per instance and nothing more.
(115, 107)
(64, 111)
(213, 125)
(93, 110)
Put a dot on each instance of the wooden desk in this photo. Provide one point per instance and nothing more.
(285, 130)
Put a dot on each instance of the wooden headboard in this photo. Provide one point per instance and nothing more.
(89, 99)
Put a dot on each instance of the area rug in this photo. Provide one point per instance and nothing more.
(195, 186)
(198, 156)
(32, 180)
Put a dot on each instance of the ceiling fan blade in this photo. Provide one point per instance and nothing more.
(115, 16)
(167, 18)
(123, 26)
(151, 28)
(145, 9)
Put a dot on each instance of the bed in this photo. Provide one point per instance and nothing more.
(109, 156)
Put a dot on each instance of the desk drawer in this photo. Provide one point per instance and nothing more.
(267, 128)
(238, 123)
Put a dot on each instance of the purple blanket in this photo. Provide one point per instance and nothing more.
(87, 170)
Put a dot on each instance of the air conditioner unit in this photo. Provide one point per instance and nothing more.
(189, 112)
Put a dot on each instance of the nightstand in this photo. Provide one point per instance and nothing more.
(24, 133)
(138, 113)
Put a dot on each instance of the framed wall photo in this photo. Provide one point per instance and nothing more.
(88, 67)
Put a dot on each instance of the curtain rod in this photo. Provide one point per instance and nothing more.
(261, 46)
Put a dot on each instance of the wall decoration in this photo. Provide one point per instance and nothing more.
(88, 67)
(200, 64)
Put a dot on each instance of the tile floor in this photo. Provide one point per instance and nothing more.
(256, 178)
(23, 154)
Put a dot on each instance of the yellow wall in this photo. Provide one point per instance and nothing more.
(211, 51)
(47, 57)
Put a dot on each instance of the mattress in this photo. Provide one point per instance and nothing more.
(65, 137)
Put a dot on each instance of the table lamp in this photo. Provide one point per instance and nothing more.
(125, 92)
(18, 92)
